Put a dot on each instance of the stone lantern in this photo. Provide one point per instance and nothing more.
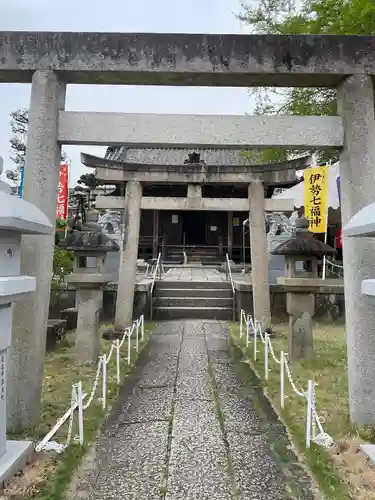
(301, 285)
(90, 246)
(17, 217)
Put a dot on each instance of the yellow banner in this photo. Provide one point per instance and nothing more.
(316, 198)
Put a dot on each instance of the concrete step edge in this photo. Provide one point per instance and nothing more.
(189, 289)
(182, 303)
(183, 286)
(183, 308)
(197, 298)
(192, 294)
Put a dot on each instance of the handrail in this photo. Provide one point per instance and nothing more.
(147, 268)
(157, 265)
(229, 272)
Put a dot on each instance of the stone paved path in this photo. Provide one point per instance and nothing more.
(189, 428)
(194, 274)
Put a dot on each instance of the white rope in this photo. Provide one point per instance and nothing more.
(95, 384)
(324, 440)
(321, 438)
(77, 397)
(124, 337)
(73, 400)
(301, 393)
(108, 357)
(335, 269)
(243, 319)
(333, 264)
(250, 322)
(45, 443)
(258, 327)
(272, 351)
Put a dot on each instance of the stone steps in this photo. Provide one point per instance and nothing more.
(194, 302)
(194, 292)
(195, 254)
(192, 299)
(218, 313)
(192, 285)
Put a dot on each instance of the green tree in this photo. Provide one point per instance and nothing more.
(283, 17)
(62, 265)
(62, 259)
(18, 125)
(12, 175)
(91, 183)
(89, 180)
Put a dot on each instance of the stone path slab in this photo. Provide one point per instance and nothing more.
(187, 427)
(204, 273)
(193, 274)
(154, 403)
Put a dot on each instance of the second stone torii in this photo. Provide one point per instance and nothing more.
(194, 176)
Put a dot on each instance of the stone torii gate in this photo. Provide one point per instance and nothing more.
(256, 177)
(52, 60)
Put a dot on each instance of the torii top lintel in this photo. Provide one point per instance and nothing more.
(274, 174)
(187, 59)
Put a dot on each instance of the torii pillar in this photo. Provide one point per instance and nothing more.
(259, 255)
(129, 253)
(30, 316)
(357, 182)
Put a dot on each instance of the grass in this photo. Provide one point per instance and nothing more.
(48, 476)
(341, 472)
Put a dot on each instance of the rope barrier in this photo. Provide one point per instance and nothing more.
(95, 384)
(109, 355)
(301, 393)
(78, 396)
(254, 330)
(277, 361)
(334, 264)
(334, 268)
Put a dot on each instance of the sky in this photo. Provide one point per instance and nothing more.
(161, 16)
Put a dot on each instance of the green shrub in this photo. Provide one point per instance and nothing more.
(62, 264)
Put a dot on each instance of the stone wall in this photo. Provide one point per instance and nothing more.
(327, 307)
(64, 299)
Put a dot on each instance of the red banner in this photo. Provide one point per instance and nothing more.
(62, 193)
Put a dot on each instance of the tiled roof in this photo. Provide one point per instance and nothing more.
(170, 156)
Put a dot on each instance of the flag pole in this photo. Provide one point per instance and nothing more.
(67, 194)
(313, 165)
(326, 231)
(18, 181)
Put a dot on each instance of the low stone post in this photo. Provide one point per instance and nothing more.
(301, 286)
(300, 308)
(17, 217)
(90, 247)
